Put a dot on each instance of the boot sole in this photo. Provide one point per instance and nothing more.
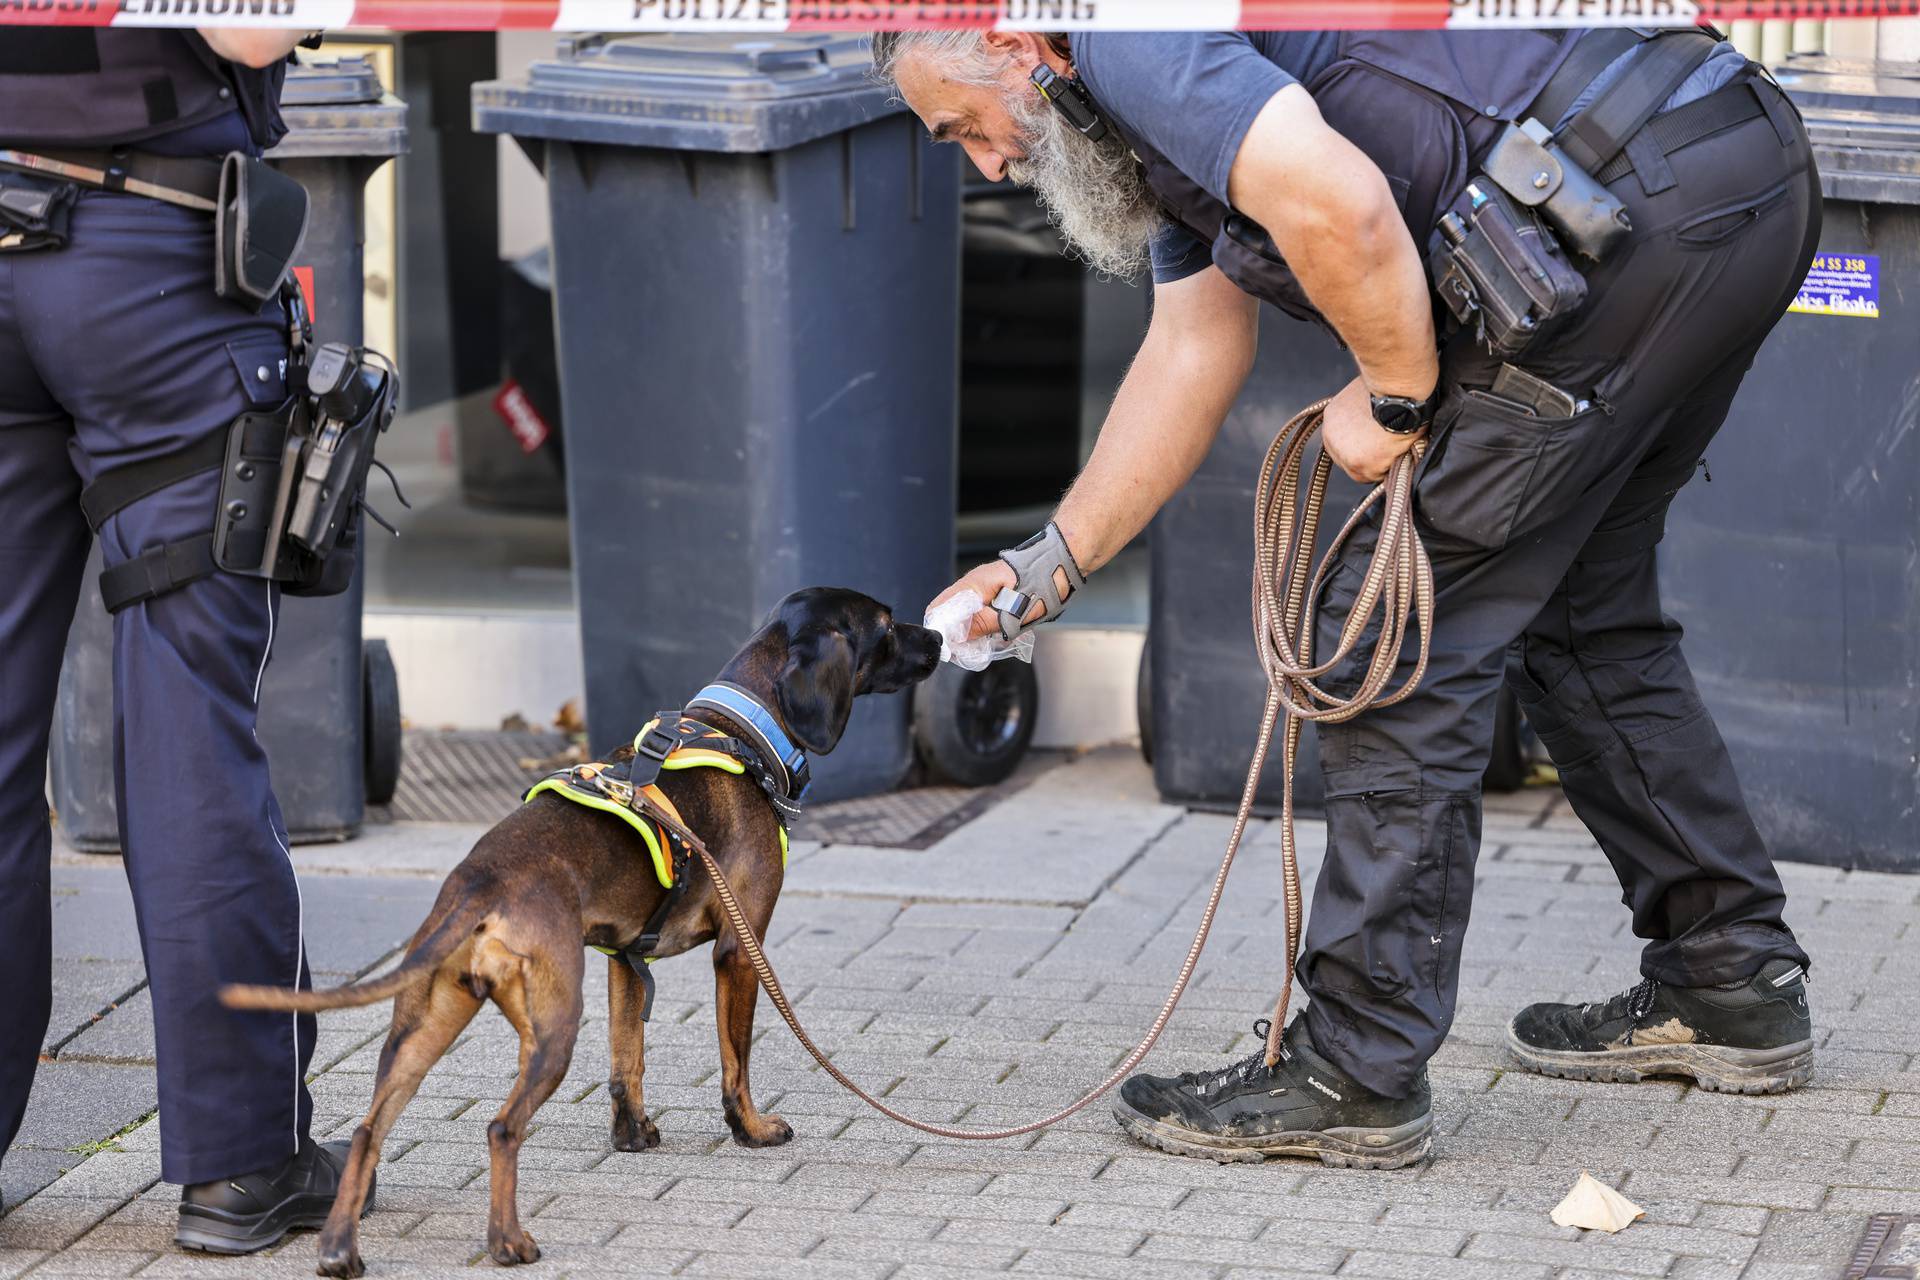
(1715, 1067)
(211, 1231)
(1347, 1148)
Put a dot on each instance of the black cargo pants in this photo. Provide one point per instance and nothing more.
(1542, 536)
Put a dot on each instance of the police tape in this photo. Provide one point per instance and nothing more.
(827, 15)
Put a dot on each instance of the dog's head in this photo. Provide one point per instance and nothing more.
(839, 644)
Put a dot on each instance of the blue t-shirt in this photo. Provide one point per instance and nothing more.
(1193, 95)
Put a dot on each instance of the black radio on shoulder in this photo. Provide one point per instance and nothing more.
(1071, 99)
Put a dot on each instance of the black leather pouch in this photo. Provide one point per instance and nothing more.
(1500, 271)
(257, 229)
(34, 213)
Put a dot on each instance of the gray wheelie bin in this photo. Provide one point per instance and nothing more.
(326, 711)
(1205, 690)
(756, 268)
(1793, 571)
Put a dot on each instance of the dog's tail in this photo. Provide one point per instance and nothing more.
(426, 955)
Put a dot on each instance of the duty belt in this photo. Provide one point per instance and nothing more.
(178, 180)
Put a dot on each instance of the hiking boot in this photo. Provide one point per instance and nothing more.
(1301, 1106)
(242, 1215)
(1750, 1036)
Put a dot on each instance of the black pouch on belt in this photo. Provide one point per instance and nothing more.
(1500, 270)
(34, 213)
(257, 229)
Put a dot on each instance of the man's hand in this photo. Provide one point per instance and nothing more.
(1356, 443)
(986, 580)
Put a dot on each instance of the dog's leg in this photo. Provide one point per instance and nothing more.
(736, 988)
(541, 998)
(632, 1130)
(426, 1020)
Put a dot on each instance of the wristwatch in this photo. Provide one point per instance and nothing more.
(1404, 416)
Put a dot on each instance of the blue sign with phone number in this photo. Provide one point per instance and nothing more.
(1841, 284)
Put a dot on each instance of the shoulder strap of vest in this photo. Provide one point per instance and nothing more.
(1592, 53)
(1598, 133)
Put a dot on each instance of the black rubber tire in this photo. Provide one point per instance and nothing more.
(1507, 769)
(380, 722)
(971, 728)
(1143, 699)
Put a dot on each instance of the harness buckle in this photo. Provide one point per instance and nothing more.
(657, 743)
(650, 752)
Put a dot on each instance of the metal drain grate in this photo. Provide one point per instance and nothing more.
(1890, 1249)
(468, 776)
(897, 820)
(452, 775)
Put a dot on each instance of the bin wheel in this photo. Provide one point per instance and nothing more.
(380, 721)
(1507, 769)
(971, 728)
(1143, 699)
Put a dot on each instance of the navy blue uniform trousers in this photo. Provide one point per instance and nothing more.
(112, 350)
(1542, 533)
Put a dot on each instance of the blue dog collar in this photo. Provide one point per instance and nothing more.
(779, 749)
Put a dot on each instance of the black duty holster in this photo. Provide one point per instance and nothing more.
(1499, 257)
(272, 466)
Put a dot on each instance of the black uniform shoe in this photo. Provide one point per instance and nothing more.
(1751, 1036)
(1301, 1106)
(241, 1215)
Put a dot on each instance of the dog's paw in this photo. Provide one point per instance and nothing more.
(771, 1131)
(511, 1251)
(631, 1133)
(344, 1263)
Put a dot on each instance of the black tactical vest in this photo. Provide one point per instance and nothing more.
(1423, 105)
(78, 87)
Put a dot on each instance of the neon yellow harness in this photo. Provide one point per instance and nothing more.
(607, 786)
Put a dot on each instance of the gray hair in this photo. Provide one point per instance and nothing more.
(1095, 193)
(964, 54)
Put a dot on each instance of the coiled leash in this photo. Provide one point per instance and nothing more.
(1286, 585)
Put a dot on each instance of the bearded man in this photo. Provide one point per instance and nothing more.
(1334, 175)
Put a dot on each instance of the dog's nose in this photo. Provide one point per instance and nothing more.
(922, 644)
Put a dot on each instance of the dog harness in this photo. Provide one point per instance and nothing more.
(627, 787)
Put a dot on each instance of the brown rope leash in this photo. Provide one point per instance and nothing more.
(1399, 580)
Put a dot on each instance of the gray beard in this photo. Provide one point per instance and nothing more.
(1095, 193)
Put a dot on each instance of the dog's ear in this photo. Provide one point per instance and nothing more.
(815, 689)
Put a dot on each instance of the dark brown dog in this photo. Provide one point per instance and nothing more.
(510, 922)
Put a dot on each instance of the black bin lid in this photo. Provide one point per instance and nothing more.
(332, 82)
(337, 107)
(690, 92)
(1864, 120)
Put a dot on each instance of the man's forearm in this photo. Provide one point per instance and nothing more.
(249, 47)
(1167, 412)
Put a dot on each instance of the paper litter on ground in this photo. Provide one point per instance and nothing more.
(1595, 1206)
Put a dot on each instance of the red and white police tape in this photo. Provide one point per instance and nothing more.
(821, 15)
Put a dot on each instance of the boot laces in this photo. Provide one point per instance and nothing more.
(1206, 1082)
(1636, 1003)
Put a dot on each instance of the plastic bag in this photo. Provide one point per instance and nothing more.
(951, 619)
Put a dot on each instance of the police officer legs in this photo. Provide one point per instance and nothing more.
(1540, 514)
(1543, 552)
(115, 349)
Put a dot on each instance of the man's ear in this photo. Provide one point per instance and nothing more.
(1026, 48)
(815, 688)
